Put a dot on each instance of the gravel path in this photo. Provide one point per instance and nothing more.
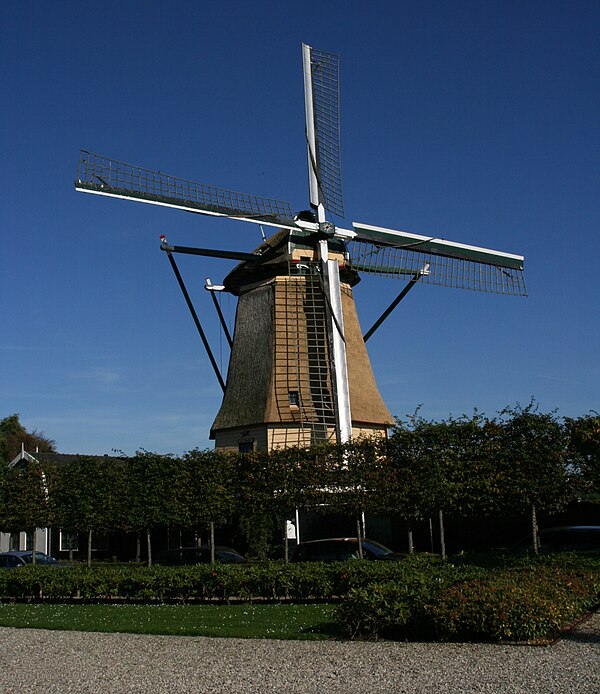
(34, 660)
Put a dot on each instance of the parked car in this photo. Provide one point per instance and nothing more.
(198, 555)
(12, 560)
(568, 538)
(343, 548)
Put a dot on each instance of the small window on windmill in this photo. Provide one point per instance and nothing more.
(294, 398)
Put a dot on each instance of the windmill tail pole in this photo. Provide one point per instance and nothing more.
(221, 318)
(411, 283)
(188, 301)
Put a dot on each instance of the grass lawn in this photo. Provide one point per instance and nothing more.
(242, 621)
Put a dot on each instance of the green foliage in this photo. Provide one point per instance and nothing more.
(419, 598)
(207, 483)
(13, 435)
(466, 467)
(442, 465)
(225, 582)
(257, 530)
(25, 504)
(533, 458)
(584, 449)
(515, 605)
(88, 493)
(524, 602)
(390, 608)
(156, 491)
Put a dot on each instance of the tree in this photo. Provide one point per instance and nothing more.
(87, 494)
(209, 488)
(156, 491)
(359, 475)
(533, 459)
(422, 454)
(13, 435)
(256, 484)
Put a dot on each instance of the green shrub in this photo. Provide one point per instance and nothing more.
(517, 605)
(391, 608)
(531, 599)
(373, 610)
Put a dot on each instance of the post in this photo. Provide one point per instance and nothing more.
(297, 527)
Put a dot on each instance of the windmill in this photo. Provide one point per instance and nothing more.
(299, 370)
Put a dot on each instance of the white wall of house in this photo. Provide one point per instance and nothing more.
(42, 541)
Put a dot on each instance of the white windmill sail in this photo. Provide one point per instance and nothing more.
(321, 102)
(105, 176)
(391, 253)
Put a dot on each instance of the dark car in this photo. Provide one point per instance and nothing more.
(342, 549)
(568, 538)
(199, 555)
(12, 560)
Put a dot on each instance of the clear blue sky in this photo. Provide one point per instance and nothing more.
(473, 120)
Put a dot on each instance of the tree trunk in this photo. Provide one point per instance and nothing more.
(431, 545)
(149, 547)
(359, 536)
(138, 548)
(442, 535)
(212, 542)
(286, 546)
(33, 543)
(535, 531)
(411, 544)
(89, 548)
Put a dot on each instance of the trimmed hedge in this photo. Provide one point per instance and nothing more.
(418, 598)
(262, 581)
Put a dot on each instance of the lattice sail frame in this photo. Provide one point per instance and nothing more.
(105, 176)
(325, 70)
(445, 271)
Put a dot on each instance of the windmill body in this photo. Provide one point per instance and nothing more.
(280, 389)
(299, 372)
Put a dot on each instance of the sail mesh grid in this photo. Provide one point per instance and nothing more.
(304, 358)
(444, 271)
(325, 69)
(104, 175)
